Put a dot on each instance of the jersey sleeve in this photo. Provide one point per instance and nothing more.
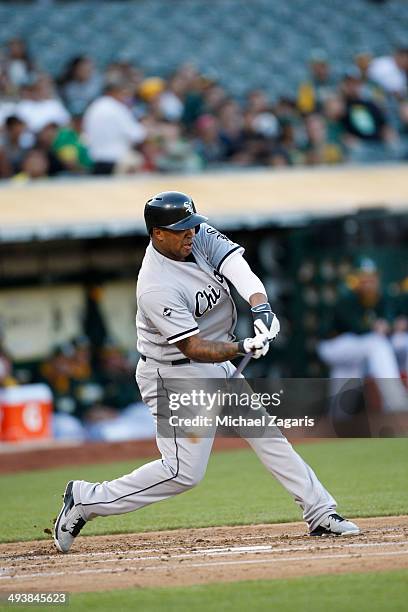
(217, 247)
(169, 315)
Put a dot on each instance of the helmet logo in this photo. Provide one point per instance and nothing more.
(189, 207)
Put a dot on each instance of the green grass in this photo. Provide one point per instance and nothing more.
(367, 477)
(374, 592)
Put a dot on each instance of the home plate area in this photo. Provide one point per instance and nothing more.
(193, 556)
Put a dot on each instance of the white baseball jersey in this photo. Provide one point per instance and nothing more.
(177, 299)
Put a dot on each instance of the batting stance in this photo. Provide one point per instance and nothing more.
(185, 323)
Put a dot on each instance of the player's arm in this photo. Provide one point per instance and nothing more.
(173, 320)
(209, 351)
(251, 289)
(226, 257)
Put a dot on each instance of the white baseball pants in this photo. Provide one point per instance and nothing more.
(183, 462)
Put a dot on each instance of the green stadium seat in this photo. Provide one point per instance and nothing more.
(244, 42)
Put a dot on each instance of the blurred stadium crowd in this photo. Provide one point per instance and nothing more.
(123, 121)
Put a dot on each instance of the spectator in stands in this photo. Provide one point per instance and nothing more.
(257, 102)
(110, 129)
(318, 150)
(209, 145)
(287, 152)
(196, 89)
(358, 342)
(14, 143)
(34, 166)
(313, 92)
(259, 116)
(123, 70)
(19, 66)
(80, 84)
(156, 113)
(152, 147)
(171, 99)
(231, 131)
(70, 149)
(150, 91)
(333, 111)
(259, 140)
(213, 97)
(40, 105)
(369, 88)
(365, 129)
(291, 131)
(177, 153)
(368, 136)
(63, 149)
(362, 61)
(286, 110)
(45, 143)
(391, 72)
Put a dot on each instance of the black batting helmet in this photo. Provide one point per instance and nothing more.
(171, 210)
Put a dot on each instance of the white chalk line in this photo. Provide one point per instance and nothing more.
(167, 566)
(227, 552)
(222, 551)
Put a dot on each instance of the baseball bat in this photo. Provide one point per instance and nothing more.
(243, 364)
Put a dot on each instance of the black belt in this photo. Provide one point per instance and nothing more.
(175, 362)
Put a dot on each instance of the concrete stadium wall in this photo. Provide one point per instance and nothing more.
(236, 197)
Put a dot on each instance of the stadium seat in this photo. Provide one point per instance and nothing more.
(254, 40)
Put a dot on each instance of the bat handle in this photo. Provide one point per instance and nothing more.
(243, 363)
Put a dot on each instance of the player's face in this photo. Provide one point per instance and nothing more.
(369, 283)
(174, 244)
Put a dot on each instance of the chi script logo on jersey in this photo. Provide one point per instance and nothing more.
(206, 299)
(167, 312)
(188, 206)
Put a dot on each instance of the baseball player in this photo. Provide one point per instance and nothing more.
(359, 341)
(185, 323)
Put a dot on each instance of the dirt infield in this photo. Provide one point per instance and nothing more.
(192, 556)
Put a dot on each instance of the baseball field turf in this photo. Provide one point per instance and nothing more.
(375, 592)
(369, 478)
